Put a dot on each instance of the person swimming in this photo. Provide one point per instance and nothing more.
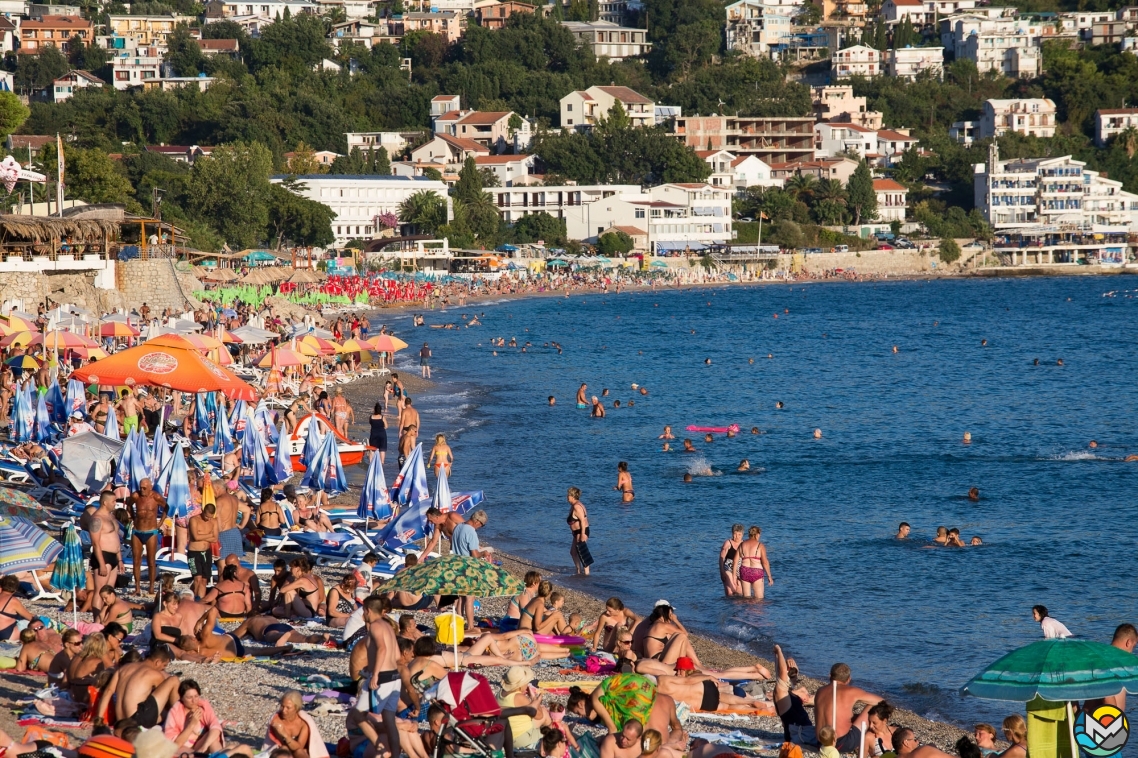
(552, 400)
(689, 447)
(974, 494)
(778, 405)
(667, 448)
(687, 478)
(598, 409)
(817, 434)
(744, 465)
(754, 430)
(667, 435)
(707, 361)
(967, 438)
(976, 542)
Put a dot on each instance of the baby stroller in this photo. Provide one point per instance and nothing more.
(475, 725)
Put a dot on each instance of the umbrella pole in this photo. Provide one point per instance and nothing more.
(454, 632)
(1071, 730)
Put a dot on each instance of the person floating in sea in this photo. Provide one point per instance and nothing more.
(667, 435)
(598, 409)
(817, 434)
(744, 465)
(689, 447)
(967, 438)
(974, 494)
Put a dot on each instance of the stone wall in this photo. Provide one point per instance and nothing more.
(875, 262)
(158, 283)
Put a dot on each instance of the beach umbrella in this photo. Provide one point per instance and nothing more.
(386, 343)
(443, 500)
(18, 339)
(410, 485)
(247, 452)
(282, 461)
(201, 412)
(25, 547)
(69, 573)
(409, 525)
(264, 474)
(178, 484)
(111, 426)
(455, 575)
(375, 503)
(26, 362)
(56, 405)
(85, 457)
(329, 471)
(94, 353)
(76, 397)
(283, 357)
(321, 345)
(64, 340)
(312, 440)
(160, 455)
(356, 346)
(21, 324)
(263, 424)
(122, 467)
(42, 430)
(208, 498)
(24, 415)
(141, 460)
(20, 504)
(222, 438)
(117, 329)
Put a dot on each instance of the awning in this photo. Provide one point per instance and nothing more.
(679, 245)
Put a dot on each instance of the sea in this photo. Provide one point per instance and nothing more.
(914, 622)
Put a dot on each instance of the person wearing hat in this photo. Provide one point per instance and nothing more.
(78, 425)
(517, 693)
(702, 692)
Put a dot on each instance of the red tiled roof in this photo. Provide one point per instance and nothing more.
(34, 141)
(442, 98)
(1117, 111)
(889, 134)
(705, 154)
(690, 185)
(463, 144)
(57, 22)
(631, 231)
(484, 117)
(887, 184)
(908, 2)
(450, 116)
(848, 125)
(498, 160)
(219, 45)
(626, 95)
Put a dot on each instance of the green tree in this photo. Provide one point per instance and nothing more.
(37, 72)
(949, 251)
(425, 210)
(92, 176)
(86, 57)
(539, 227)
(297, 220)
(303, 161)
(862, 197)
(230, 190)
(469, 184)
(13, 113)
(183, 53)
(614, 243)
(801, 186)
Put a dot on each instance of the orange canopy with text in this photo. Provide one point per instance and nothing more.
(168, 361)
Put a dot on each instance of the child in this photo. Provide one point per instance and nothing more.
(363, 576)
(557, 715)
(826, 737)
(986, 738)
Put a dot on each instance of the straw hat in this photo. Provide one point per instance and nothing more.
(517, 677)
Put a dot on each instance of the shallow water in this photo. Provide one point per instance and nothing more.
(914, 623)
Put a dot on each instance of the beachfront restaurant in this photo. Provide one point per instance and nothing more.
(1063, 244)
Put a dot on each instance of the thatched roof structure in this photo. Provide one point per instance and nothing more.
(216, 275)
(307, 276)
(266, 276)
(37, 230)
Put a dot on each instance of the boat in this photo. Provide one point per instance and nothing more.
(351, 452)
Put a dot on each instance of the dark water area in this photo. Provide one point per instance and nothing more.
(1056, 516)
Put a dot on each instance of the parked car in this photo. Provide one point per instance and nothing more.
(746, 219)
(976, 244)
(904, 244)
(883, 246)
(841, 248)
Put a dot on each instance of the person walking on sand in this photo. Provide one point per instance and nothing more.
(377, 438)
(425, 361)
(342, 412)
(753, 564)
(578, 521)
(624, 483)
(728, 555)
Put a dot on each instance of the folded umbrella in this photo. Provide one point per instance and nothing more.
(375, 502)
(42, 430)
(282, 460)
(56, 405)
(178, 489)
(410, 483)
(69, 573)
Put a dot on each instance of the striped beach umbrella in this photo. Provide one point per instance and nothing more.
(141, 460)
(222, 437)
(163, 460)
(178, 484)
(1059, 670)
(282, 460)
(264, 475)
(20, 504)
(123, 464)
(69, 573)
(201, 412)
(327, 472)
(24, 415)
(25, 547)
(237, 420)
(312, 440)
(248, 444)
(263, 423)
(375, 502)
(76, 397)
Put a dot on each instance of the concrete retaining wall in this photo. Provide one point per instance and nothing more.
(158, 283)
(875, 262)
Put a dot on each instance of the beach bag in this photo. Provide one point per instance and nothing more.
(584, 554)
(39, 734)
(789, 750)
(450, 628)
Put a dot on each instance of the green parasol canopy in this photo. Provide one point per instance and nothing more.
(1060, 670)
(455, 575)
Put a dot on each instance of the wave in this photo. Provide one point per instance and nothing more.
(1075, 455)
(699, 466)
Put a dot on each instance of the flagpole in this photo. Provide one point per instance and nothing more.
(59, 176)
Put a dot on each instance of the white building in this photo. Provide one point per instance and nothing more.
(271, 9)
(892, 199)
(357, 200)
(676, 217)
(837, 103)
(442, 104)
(1034, 117)
(964, 132)
(610, 40)
(755, 26)
(892, 144)
(1009, 46)
(750, 171)
(844, 138)
(582, 109)
(923, 12)
(394, 142)
(858, 60)
(908, 62)
(71, 82)
(138, 70)
(511, 170)
(448, 151)
(1112, 122)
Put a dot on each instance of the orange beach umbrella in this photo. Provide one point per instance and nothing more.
(167, 361)
(282, 357)
(385, 343)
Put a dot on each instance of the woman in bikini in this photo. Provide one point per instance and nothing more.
(270, 517)
(166, 625)
(230, 596)
(1015, 732)
(341, 602)
(624, 483)
(34, 655)
(531, 611)
(663, 637)
(116, 609)
(441, 455)
(513, 615)
(550, 621)
(753, 565)
(728, 554)
(11, 609)
(614, 622)
(578, 522)
(296, 599)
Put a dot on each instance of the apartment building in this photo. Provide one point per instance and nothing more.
(831, 139)
(269, 9)
(53, 31)
(228, 48)
(511, 170)
(909, 62)
(394, 142)
(858, 60)
(892, 144)
(737, 172)
(9, 34)
(964, 132)
(610, 40)
(840, 168)
(1034, 117)
(142, 67)
(755, 27)
(358, 200)
(773, 139)
(837, 103)
(1009, 46)
(1113, 121)
(923, 12)
(449, 24)
(495, 15)
(582, 109)
(892, 200)
(146, 30)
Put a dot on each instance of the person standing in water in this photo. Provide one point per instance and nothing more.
(598, 409)
(582, 402)
(441, 455)
(728, 554)
(624, 483)
(578, 521)
(753, 564)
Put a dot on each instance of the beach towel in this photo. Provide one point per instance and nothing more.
(316, 746)
(1047, 730)
(628, 696)
(588, 747)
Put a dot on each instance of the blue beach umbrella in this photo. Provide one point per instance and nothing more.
(164, 460)
(161, 453)
(443, 500)
(140, 459)
(282, 461)
(111, 426)
(24, 416)
(69, 573)
(410, 485)
(264, 475)
(178, 489)
(410, 525)
(312, 440)
(222, 437)
(76, 397)
(201, 413)
(25, 547)
(375, 503)
(248, 442)
(236, 415)
(42, 428)
(263, 419)
(122, 467)
(56, 405)
(330, 475)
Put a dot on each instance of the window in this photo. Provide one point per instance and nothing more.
(639, 213)
(569, 107)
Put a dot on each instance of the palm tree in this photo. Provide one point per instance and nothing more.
(1129, 139)
(830, 190)
(801, 186)
(425, 210)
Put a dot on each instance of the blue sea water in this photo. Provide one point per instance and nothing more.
(1057, 517)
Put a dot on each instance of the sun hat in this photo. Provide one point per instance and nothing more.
(516, 678)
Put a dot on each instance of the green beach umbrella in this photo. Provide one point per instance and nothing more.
(455, 575)
(1057, 670)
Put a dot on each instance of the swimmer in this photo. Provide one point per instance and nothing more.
(1060, 362)
(689, 447)
(770, 355)
(631, 403)
(605, 392)
(817, 434)
(894, 348)
(552, 400)
(976, 542)
(708, 438)
(615, 403)
(974, 494)
(778, 405)
(983, 343)
(643, 390)
(1036, 363)
(967, 438)
(687, 478)
(707, 361)
(903, 530)
(1093, 445)
(598, 409)
(581, 401)
(667, 435)
(693, 331)
(744, 465)
(1130, 458)
(754, 430)
(667, 448)
(751, 361)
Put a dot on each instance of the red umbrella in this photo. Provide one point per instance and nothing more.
(168, 361)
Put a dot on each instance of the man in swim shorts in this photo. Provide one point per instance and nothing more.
(379, 691)
(142, 691)
(699, 691)
(833, 706)
(128, 407)
(203, 532)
